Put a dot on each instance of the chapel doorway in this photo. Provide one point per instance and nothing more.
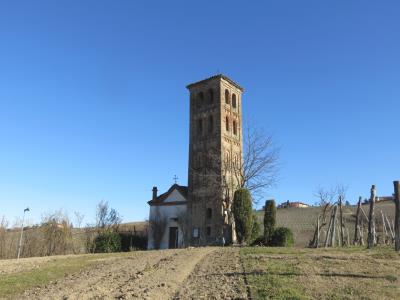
(173, 237)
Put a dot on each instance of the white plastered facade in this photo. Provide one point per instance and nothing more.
(170, 209)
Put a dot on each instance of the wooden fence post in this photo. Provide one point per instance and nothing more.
(333, 227)
(384, 230)
(362, 232)
(397, 215)
(357, 227)
(317, 245)
(341, 241)
(328, 232)
(390, 228)
(371, 223)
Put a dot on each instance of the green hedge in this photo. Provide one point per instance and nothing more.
(243, 214)
(107, 242)
(282, 237)
(269, 220)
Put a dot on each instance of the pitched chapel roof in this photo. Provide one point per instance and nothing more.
(183, 190)
(214, 77)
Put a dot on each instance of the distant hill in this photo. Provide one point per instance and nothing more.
(302, 221)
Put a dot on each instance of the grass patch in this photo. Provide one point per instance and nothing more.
(338, 273)
(273, 250)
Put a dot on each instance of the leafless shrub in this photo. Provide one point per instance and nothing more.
(34, 243)
(57, 233)
(107, 219)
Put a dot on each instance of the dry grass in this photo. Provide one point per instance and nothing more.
(346, 273)
(35, 244)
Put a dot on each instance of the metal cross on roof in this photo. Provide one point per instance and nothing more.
(175, 179)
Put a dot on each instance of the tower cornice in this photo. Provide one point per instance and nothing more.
(218, 76)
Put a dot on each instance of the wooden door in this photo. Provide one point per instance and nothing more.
(173, 237)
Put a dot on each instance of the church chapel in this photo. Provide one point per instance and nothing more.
(200, 214)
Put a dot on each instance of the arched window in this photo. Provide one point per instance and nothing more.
(234, 128)
(227, 158)
(227, 100)
(209, 213)
(227, 123)
(234, 100)
(210, 96)
(200, 126)
(200, 99)
(210, 124)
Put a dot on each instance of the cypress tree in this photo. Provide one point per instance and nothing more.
(243, 214)
(269, 220)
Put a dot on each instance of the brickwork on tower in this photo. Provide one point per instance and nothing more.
(215, 144)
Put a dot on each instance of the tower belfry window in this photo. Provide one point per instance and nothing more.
(210, 96)
(200, 99)
(227, 100)
(234, 128)
(227, 123)
(234, 100)
(209, 213)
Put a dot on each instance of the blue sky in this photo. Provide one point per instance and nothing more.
(93, 104)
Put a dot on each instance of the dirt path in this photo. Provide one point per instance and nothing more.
(144, 275)
(217, 276)
(196, 273)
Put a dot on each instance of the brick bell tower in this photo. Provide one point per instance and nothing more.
(215, 145)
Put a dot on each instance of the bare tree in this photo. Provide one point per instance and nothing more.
(57, 233)
(325, 196)
(79, 218)
(259, 168)
(107, 219)
(101, 214)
